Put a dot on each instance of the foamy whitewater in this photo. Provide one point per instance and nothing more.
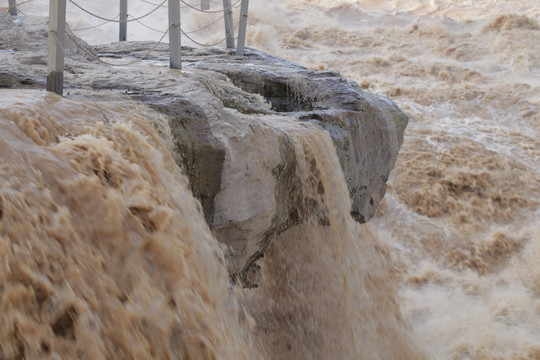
(448, 269)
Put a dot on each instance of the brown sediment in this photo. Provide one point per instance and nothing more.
(460, 221)
(462, 207)
(326, 289)
(104, 252)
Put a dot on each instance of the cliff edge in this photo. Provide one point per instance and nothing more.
(228, 118)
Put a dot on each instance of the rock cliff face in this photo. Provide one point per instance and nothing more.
(228, 116)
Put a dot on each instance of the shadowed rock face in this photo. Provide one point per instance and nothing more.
(224, 115)
(366, 129)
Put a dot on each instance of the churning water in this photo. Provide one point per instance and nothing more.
(104, 252)
(449, 267)
(461, 214)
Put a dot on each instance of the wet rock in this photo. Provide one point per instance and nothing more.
(198, 150)
(367, 129)
(224, 114)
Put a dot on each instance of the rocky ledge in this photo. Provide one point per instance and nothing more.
(223, 112)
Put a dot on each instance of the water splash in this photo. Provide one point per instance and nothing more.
(103, 248)
(327, 289)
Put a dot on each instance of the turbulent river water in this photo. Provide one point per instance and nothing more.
(448, 269)
(461, 214)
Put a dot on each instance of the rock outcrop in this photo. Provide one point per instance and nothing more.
(224, 113)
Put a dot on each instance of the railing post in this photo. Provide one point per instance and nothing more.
(229, 27)
(123, 20)
(205, 4)
(57, 34)
(13, 7)
(242, 27)
(175, 46)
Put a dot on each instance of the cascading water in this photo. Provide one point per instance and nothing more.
(460, 218)
(105, 253)
(327, 290)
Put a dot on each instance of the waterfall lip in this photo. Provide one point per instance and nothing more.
(367, 130)
(227, 116)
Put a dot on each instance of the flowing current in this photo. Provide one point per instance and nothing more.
(106, 254)
(449, 267)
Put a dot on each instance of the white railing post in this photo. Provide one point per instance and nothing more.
(242, 27)
(123, 20)
(205, 4)
(13, 7)
(229, 27)
(175, 46)
(57, 34)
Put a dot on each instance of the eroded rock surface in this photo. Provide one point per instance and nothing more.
(226, 116)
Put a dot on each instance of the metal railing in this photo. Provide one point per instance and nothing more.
(57, 30)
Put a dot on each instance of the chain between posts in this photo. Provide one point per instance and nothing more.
(206, 45)
(111, 64)
(94, 26)
(57, 33)
(114, 20)
(210, 11)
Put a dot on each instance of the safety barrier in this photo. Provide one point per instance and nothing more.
(57, 30)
